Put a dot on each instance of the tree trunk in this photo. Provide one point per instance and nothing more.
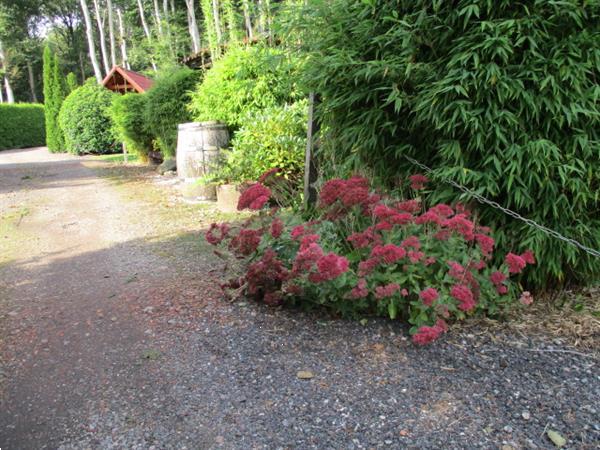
(102, 38)
(90, 38)
(216, 15)
(1, 94)
(248, 20)
(34, 98)
(193, 26)
(122, 40)
(261, 17)
(146, 29)
(82, 67)
(111, 33)
(157, 18)
(10, 96)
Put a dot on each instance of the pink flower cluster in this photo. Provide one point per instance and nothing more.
(214, 239)
(254, 197)
(429, 296)
(426, 335)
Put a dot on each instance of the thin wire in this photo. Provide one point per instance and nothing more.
(507, 211)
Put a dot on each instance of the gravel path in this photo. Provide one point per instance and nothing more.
(113, 335)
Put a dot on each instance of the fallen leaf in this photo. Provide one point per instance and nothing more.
(304, 374)
(403, 432)
(557, 439)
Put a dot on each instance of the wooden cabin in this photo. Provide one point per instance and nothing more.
(123, 81)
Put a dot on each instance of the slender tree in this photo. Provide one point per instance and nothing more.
(247, 20)
(193, 26)
(10, 96)
(90, 39)
(146, 29)
(101, 37)
(122, 40)
(111, 32)
(59, 92)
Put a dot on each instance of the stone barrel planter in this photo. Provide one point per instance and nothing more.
(198, 147)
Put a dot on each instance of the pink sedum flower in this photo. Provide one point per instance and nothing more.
(429, 296)
(464, 295)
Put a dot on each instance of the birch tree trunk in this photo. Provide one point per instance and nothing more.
(122, 40)
(34, 98)
(10, 98)
(261, 17)
(90, 38)
(157, 18)
(145, 27)
(216, 15)
(248, 20)
(1, 94)
(111, 33)
(193, 26)
(101, 37)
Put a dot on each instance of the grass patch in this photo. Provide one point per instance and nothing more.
(118, 158)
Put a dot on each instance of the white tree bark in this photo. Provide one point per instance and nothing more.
(111, 33)
(101, 37)
(193, 26)
(90, 38)
(1, 94)
(158, 19)
(217, 17)
(10, 97)
(261, 17)
(34, 98)
(123, 40)
(146, 29)
(248, 20)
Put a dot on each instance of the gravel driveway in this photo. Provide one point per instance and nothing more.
(113, 335)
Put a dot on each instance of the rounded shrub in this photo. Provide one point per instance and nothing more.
(501, 97)
(85, 120)
(246, 79)
(128, 116)
(166, 106)
(274, 138)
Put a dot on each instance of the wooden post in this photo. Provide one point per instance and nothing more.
(310, 169)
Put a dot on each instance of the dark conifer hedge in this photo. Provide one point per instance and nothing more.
(21, 125)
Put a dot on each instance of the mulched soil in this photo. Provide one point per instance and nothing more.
(126, 342)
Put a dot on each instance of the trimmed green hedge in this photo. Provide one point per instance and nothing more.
(127, 113)
(22, 125)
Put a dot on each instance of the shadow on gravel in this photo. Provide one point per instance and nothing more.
(134, 346)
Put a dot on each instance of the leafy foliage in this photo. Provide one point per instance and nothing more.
(501, 97)
(274, 138)
(245, 80)
(128, 115)
(166, 106)
(85, 120)
(21, 126)
(371, 254)
(71, 82)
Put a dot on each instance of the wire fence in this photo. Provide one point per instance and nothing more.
(506, 211)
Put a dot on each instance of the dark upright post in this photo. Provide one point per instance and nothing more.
(310, 169)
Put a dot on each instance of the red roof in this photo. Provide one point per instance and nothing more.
(119, 77)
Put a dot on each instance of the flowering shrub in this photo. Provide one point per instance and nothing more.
(367, 253)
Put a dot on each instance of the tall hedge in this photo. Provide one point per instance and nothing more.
(22, 125)
(85, 120)
(166, 106)
(54, 94)
(500, 96)
(128, 115)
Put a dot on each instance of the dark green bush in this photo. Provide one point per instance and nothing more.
(54, 94)
(128, 116)
(268, 139)
(246, 79)
(500, 96)
(22, 125)
(85, 120)
(166, 106)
